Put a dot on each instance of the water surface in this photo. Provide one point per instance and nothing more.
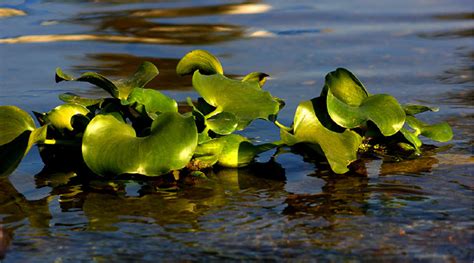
(419, 51)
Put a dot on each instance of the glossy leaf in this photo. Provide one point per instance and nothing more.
(440, 132)
(151, 101)
(313, 125)
(13, 122)
(110, 147)
(233, 150)
(412, 138)
(17, 135)
(246, 100)
(259, 77)
(72, 98)
(413, 109)
(223, 123)
(200, 60)
(383, 110)
(61, 116)
(345, 86)
(118, 89)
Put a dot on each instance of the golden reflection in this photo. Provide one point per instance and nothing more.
(7, 12)
(141, 26)
(86, 37)
(119, 66)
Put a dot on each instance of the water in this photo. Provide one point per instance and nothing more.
(419, 51)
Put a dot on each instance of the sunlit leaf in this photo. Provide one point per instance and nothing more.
(120, 88)
(259, 77)
(345, 86)
(72, 98)
(17, 135)
(230, 151)
(61, 116)
(411, 138)
(313, 125)
(111, 147)
(13, 122)
(200, 60)
(151, 102)
(222, 123)
(350, 106)
(413, 109)
(440, 132)
(246, 100)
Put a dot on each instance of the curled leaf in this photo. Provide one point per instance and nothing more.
(259, 77)
(200, 60)
(246, 100)
(17, 135)
(72, 98)
(61, 116)
(313, 125)
(111, 147)
(149, 101)
(440, 132)
(233, 150)
(118, 89)
(350, 106)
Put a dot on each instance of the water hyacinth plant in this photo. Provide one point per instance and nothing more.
(137, 130)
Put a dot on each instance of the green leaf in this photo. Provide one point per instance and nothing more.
(110, 147)
(200, 60)
(412, 138)
(382, 109)
(61, 116)
(313, 125)
(440, 132)
(345, 86)
(13, 122)
(223, 123)
(233, 150)
(350, 105)
(413, 109)
(259, 77)
(151, 101)
(118, 89)
(246, 100)
(72, 98)
(17, 135)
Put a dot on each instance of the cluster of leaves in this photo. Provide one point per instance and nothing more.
(140, 131)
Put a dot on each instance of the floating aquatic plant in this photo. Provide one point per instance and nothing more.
(140, 131)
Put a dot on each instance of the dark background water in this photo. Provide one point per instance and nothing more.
(419, 51)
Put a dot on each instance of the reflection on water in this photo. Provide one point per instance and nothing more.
(386, 210)
(123, 65)
(142, 26)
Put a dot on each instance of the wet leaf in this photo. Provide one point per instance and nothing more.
(151, 101)
(120, 88)
(72, 98)
(61, 116)
(246, 100)
(350, 106)
(111, 146)
(200, 60)
(233, 150)
(413, 109)
(313, 125)
(440, 132)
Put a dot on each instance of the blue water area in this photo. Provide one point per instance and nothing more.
(283, 209)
